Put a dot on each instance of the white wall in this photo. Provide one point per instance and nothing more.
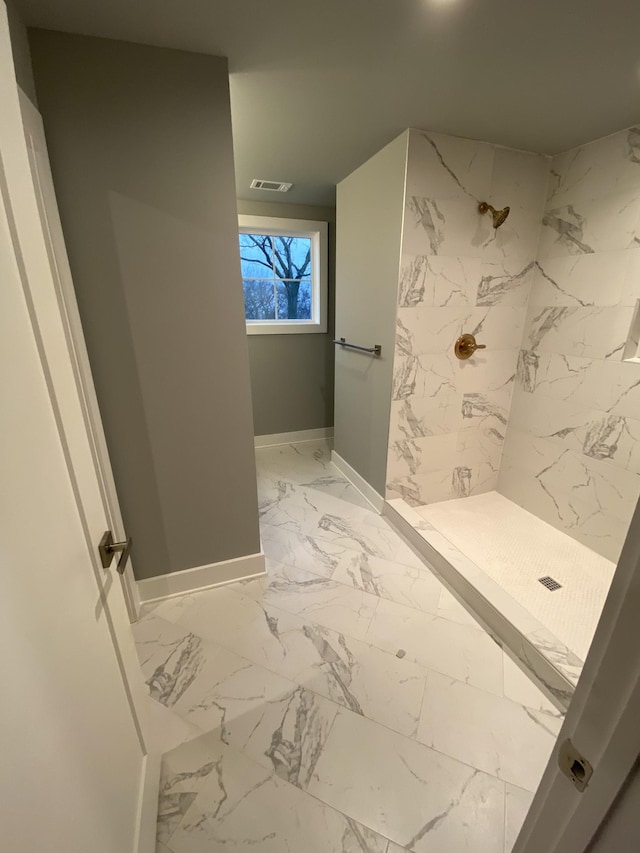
(572, 455)
(449, 417)
(369, 222)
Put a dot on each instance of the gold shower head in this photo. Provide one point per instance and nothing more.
(499, 216)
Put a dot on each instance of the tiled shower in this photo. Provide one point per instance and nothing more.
(526, 456)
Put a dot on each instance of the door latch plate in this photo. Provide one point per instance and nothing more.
(574, 765)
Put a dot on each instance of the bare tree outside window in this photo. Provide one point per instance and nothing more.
(276, 273)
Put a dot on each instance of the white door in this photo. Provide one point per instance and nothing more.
(59, 262)
(72, 752)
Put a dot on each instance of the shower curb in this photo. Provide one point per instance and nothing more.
(543, 658)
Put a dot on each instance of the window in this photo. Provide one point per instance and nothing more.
(284, 275)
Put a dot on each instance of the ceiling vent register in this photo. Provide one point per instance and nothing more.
(271, 186)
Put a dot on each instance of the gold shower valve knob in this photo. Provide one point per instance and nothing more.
(466, 345)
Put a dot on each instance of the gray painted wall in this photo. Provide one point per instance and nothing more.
(21, 53)
(369, 229)
(141, 150)
(292, 375)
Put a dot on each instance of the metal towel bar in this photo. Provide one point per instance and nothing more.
(376, 349)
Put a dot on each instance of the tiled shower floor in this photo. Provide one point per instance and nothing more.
(346, 702)
(515, 548)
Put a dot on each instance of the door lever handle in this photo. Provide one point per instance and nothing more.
(107, 548)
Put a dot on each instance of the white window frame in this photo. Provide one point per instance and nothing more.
(317, 231)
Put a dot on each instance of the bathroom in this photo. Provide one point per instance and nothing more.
(366, 630)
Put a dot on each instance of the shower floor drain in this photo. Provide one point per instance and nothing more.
(550, 583)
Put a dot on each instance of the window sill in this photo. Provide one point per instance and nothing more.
(294, 327)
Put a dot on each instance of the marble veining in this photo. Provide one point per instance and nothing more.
(459, 275)
(494, 287)
(573, 261)
(302, 696)
(569, 227)
(571, 453)
(558, 285)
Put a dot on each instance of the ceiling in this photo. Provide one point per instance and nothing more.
(318, 86)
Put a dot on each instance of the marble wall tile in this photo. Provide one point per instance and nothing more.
(631, 284)
(571, 449)
(479, 452)
(433, 484)
(430, 378)
(590, 332)
(449, 167)
(438, 281)
(453, 228)
(519, 179)
(468, 277)
(487, 410)
(589, 499)
(435, 330)
(431, 329)
(406, 458)
(581, 280)
(604, 224)
(416, 416)
(517, 238)
(607, 165)
(600, 435)
(505, 281)
(609, 386)
(568, 250)
(489, 370)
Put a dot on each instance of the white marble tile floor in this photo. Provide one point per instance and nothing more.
(346, 702)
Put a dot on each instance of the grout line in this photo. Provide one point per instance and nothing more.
(430, 574)
(235, 588)
(213, 643)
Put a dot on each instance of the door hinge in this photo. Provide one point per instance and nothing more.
(574, 765)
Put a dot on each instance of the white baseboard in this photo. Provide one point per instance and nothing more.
(293, 437)
(201, 577)
(358, 482)
(146, 830)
